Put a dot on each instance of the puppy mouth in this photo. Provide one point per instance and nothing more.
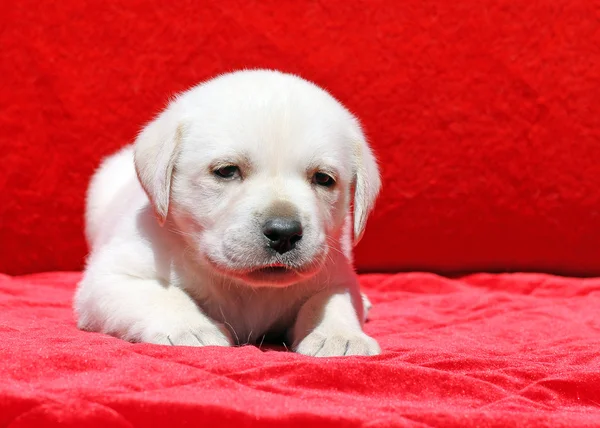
(273, 270)
(272, 275)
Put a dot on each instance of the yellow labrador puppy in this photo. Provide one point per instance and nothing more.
(230, 218)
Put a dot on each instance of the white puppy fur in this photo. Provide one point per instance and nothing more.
(230, 219)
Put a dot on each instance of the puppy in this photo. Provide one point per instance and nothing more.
(230, 219)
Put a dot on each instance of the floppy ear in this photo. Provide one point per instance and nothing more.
(155, 151)
(367, 184)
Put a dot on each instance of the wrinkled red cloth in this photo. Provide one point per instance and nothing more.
(479, 351)
(485, 114)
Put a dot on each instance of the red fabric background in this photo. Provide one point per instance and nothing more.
(482, 351)
(485, 114)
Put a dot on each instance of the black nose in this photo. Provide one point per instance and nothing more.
(282, 233)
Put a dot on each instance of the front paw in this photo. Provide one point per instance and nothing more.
(183, 334)
(319, 344)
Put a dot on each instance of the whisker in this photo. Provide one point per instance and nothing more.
(237, 339)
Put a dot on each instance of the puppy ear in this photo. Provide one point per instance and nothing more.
(155, 152)
(367, 184)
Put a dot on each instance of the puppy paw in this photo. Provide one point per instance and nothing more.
(205, 334)
(339, 344)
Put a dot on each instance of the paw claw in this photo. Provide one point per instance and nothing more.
(205, 335)
(318, 344)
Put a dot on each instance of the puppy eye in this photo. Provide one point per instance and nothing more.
(228, 172)
(322, 179)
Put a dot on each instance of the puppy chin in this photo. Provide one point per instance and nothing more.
(270, 275)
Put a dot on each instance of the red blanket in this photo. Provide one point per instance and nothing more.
(484, 350)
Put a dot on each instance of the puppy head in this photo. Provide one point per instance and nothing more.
(257, 170)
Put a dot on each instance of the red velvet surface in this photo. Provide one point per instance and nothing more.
(480, 351)
(483, 112)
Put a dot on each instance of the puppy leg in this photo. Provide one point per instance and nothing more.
(144, 310)
(329, 324)
(367, 305)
